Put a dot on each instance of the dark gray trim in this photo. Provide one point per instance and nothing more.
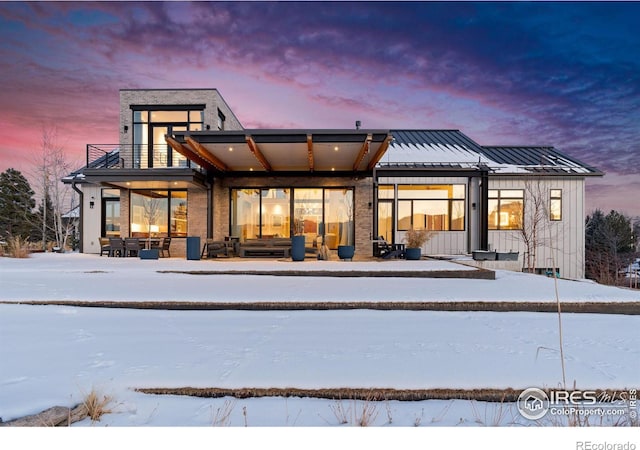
(290, 174)
(484, 211)
(179, 107)
(159, 174)
(554, 173)
(434, 172)
(81, 214)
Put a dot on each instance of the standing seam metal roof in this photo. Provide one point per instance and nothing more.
(458, 147)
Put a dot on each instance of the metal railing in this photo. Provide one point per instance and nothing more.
(107, 156)
(104, 156)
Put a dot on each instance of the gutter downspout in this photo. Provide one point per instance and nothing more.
(81, 204)
(484, 209)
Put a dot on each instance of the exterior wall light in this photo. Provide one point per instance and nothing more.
(92, 202)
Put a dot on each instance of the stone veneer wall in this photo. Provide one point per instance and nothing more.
(363, 197)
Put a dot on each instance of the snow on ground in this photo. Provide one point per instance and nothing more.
(89, 277)
(52, 355)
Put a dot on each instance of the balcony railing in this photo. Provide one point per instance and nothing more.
(108, 156)
(104, 156)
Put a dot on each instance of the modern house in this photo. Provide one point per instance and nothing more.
(185, 166)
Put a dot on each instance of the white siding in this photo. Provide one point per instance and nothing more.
(565, 237)
(92, 218)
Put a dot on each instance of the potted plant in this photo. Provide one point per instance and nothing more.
(415, 239)
(298, 240)
(346, 252)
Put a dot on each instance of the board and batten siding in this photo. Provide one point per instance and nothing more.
(444, 242)
(92, 218)
(564, 238)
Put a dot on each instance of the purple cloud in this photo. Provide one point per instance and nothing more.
(562, 74)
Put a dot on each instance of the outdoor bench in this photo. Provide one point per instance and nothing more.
(274, 247)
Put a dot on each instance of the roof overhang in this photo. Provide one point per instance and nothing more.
(426, 170)
(290, 151)
(164, 178)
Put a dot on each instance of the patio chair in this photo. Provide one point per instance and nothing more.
(215, 248)
(105, 249)
(166, 243)
(388, 251)
(116, 247)
(131, 246)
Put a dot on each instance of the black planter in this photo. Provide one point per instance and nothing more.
(413, 254)
(297, 248)
(484, 255)
(149, 253)
(508, 256)
(346, 252)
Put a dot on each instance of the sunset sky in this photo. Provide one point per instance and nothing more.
(561, 74)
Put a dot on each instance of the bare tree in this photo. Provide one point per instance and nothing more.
(535, 221)
(151, 207)
(50, 166)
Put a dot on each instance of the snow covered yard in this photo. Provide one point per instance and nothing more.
(75, 276)
(53, 355)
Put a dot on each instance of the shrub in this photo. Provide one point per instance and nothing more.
(417, 238)
(18, 247)
(96, 405)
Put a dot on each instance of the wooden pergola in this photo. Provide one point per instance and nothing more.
(283, 150)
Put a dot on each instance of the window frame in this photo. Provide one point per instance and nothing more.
(552, 199)
(450, 208)
(144, 112)
(292, 207)
(168, 217)
(500, 200)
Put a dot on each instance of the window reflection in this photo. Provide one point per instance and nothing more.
(506, 209)
(266, 213)
(439, 207)
(156, 213)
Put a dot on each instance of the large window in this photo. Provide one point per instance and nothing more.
(385, 212)
(149, 129)
(506, 209)
(110, 213)
(555, 205)
(439, 207)
(317, 213)
(260, 213)
(158, 213)
(338, 217)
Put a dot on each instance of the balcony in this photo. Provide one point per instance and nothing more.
(108, 156)
(105, 166)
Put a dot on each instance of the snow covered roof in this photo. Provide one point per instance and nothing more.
(452, 149)
(546, 160)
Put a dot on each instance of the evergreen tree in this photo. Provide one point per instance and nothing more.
(609, 244)
(16, 205)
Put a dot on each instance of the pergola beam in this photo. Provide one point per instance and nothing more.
(207, 155)
(188, 153)
(258, 154)
(310, 151)
(380, 153)
(363, 151)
